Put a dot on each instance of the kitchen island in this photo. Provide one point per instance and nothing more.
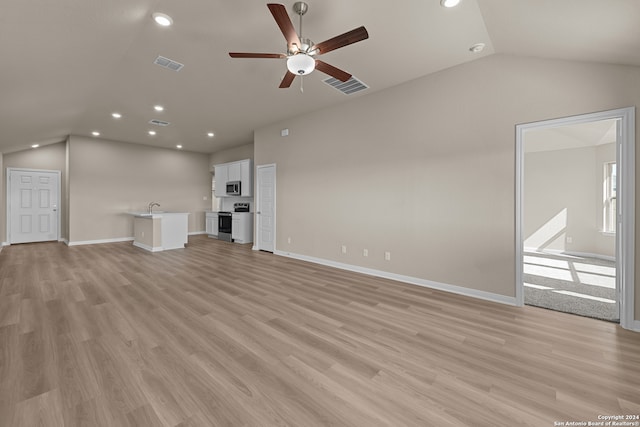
(160, 231)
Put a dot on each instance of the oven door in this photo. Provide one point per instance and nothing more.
(224, 227)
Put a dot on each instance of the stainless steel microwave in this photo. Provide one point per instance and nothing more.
(233, 188)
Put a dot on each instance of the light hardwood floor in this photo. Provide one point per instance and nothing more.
(217, 334)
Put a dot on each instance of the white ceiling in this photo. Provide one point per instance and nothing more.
(68, 64)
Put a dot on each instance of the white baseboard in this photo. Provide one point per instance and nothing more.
(635, 326)
(147, 247)
(6, 244)
(97, 242)
(196, 233)
(460, 290)
(571, 253)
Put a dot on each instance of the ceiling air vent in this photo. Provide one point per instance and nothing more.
(158, 122)
(352, 85)
(168, 63)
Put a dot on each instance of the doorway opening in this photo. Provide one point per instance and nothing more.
(575, 215)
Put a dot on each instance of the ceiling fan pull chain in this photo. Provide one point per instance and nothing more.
(301, 85)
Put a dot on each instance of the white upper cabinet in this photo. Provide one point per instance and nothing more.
(221, 175)
(234, 171)
(246, 178)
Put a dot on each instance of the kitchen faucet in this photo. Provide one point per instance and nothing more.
(151, 205)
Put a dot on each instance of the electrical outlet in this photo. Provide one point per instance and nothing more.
(387, 256)
(569, 239)
(288, 239)
(365, 252)
(142, 234)
(344, 249)
(204, 198)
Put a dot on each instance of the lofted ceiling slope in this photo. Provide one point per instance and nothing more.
(69, 64)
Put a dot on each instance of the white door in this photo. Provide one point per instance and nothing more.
(266, 209)
(33, 205)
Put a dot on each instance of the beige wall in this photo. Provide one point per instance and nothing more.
(563, 199)
(426, 170)
(108, 179)
(231, 155)
(49, 157)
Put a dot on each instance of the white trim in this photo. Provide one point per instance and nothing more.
(99, 242)
(8, 198)
(196, 233)
(460, 290)
(625, 235)
(6, 244)
(147, 247)
(635, 326)
(570, 253)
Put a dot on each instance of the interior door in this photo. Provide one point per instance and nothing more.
(265, 212)
(33, 206)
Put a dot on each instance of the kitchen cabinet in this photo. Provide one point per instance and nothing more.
(221, 175)
(234, 171)
(212, 224)
(246, 178)
(242, 227)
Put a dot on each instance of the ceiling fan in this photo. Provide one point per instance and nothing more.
(301, 52)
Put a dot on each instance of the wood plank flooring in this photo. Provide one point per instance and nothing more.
(219, 335)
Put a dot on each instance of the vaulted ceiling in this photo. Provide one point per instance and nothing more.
(69, 64)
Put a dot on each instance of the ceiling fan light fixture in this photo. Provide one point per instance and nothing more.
(449, 3)
(301, 64)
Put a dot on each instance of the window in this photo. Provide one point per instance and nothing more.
(610, 181)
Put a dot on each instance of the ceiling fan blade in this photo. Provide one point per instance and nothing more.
(256, 55)
(288, 79)
(343, 76)
(281, 16)
(342, 40)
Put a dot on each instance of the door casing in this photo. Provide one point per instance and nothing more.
(8, 198)
(625, 233)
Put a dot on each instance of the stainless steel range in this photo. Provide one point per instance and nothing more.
(225, 221)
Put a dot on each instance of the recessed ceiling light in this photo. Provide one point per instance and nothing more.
(95, 133)
(477, 48)
(449, 3)
(152, 132)
(116, 115)
(158, 107)
(178, 146)
(162, 19)
(210, 134)
(35, 146)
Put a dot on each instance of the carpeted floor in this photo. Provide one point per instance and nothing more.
(578, 285)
